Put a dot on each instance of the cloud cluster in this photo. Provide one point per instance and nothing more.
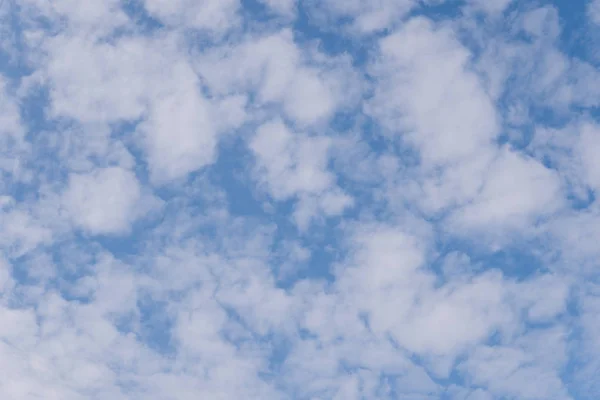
(298, 200)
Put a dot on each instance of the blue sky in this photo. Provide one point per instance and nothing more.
(299, 199)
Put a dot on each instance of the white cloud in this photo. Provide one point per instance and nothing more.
(589, 348)
(588, 147)
(509, 372)
(515, 191)
(574, 235)
(399, 298)
(10, 120)
(179, 136)
(545, 297)
(105, 83)
(366, 17)
(291, 163)
(386, 283)
(215, 16)
(90, 20)
(593, 9)
(12, 132)
(104, 201)
(23, 230)
(110, 83)
(541, 23)
(6, 281)
(309, 86)
(296, 166)
(571, 150)
(423, 71)
(343, 105)
(530, 69)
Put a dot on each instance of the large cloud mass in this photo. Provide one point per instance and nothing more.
(273, 199)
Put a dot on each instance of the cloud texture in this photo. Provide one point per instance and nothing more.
(281, 199)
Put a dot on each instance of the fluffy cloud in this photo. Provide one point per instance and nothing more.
(298, 200)
(594, 11)
(515, 191)
(365, 17)
(214, 16)
(296, 166)
(423, 71)
(10, 118)
(105, 201)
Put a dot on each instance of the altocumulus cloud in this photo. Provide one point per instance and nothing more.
(282, 199)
